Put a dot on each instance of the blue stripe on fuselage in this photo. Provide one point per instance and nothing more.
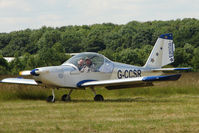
(84, 81)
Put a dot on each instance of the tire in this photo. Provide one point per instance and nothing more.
(50, 99)
(98, 97)
(65, 98)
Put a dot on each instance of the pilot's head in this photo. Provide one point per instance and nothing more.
(88, 62)
(81, 62)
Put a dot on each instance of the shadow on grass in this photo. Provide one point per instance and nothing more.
(31, 97)
(120, 100)
(137, 99)
(22, 94)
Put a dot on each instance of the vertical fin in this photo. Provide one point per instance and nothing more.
(162, 53)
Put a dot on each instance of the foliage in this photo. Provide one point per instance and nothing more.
(129, 43)
(3, 65)
(195, 60)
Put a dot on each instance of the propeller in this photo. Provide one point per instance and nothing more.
(25, 73)
(33, 72)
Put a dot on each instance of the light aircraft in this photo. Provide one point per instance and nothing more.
(89, 69)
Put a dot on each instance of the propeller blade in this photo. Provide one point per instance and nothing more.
(25, 73)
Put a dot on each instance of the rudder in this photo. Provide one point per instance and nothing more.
(162, 53)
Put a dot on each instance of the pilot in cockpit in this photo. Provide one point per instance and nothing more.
(88, 67)
(80, 64)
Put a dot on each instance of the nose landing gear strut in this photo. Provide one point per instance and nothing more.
(51, 98)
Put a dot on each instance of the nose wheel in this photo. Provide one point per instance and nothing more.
(51, 98)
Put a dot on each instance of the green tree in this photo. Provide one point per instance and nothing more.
(195, 59)
(128, 56)
(71, 41)
(16, 65)
(3, 65)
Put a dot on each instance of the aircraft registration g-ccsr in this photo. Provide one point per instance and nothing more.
(88, 70)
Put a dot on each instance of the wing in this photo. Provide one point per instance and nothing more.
(129, 82)
(19, 81)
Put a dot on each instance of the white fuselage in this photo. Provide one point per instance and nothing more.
(68, 76)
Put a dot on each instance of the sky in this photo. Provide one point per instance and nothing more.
(33, 14)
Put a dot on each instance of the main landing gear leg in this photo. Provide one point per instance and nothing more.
(97, 97)
(51, 98)
(66, 97)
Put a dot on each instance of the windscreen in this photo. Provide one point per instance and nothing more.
(91, 62)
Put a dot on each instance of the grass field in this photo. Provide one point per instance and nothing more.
(167, 107)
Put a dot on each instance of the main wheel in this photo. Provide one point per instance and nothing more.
(65, 98)
(98, 97)
(50, 99)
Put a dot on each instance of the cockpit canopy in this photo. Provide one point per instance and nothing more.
(91, 62)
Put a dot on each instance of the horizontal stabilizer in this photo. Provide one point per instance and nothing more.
(19, 81)
(172, 69)
(162, 78)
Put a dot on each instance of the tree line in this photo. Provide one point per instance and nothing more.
(130, 43)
